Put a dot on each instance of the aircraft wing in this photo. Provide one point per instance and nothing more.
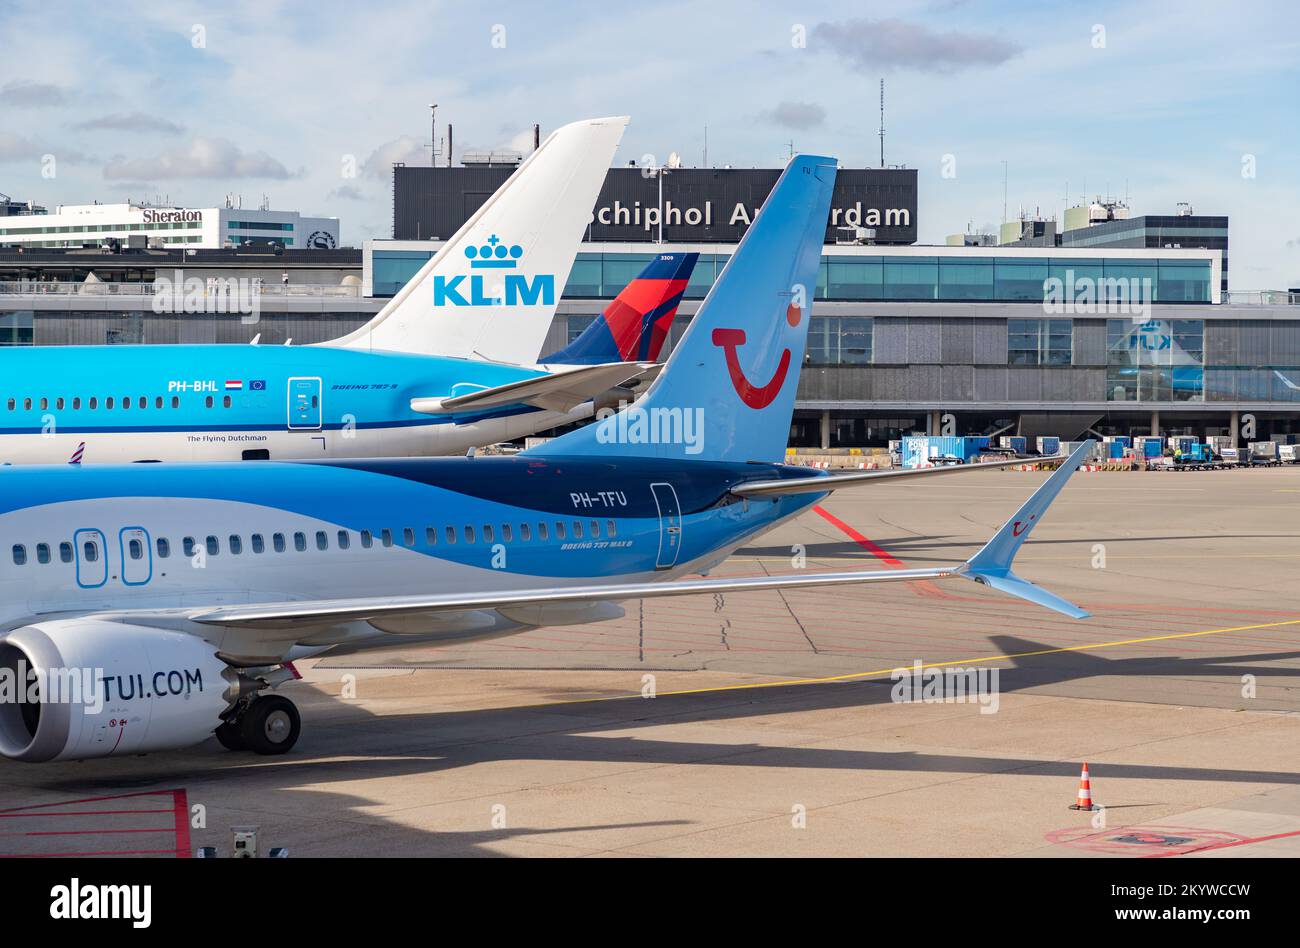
(559, 390)
(991, 567)
(822, 483)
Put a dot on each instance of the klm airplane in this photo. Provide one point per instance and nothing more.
(147, 607)
(449, 364)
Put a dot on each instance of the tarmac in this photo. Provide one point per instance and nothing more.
(767, 724)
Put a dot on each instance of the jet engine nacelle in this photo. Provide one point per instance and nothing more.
(71, 689)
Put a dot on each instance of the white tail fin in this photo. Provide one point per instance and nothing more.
(490, 292)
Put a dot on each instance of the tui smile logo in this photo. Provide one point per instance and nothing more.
(508, 289)
(755, 396)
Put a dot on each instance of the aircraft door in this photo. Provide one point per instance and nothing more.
(91, 554)
(137, 556)
(670, 525)
(305, 404)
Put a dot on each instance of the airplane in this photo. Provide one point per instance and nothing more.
(447, 365)
(156, 605)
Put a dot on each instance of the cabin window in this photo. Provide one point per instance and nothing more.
(300, 541)
(90, 551)
(108, 403)
(225, 402)
(27, 404)
(207, 401)
(187, 545)
(214, 547)
(144, 402)
(42, 553)
(345, 540)
(65, 552)
(20, 554)
(277, 541)
(541, 531)
(135, 549)
(469, 533)
(524, 532)
(322, 540)
(157, 402)
(176, 401)
(451, 534)
(505, 532)
(236, 544)
(611, 528)
(577, 529)
(58, 404)
(76, 403)
(487, 533)
(94, 403)
(386, 536)
(431, 536)
(164, 548)
(258, 544)
(45, 404)
(126, 402)
(559, 529)
(408, 536)
(367, 540)
(11, 404)
(595, 528)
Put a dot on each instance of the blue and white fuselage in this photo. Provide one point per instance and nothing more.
(156, 537)
(215, 403)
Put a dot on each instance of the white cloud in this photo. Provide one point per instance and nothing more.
(201, 158)
(29, 94)
(131, 122)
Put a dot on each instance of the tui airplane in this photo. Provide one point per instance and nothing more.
(147, 607)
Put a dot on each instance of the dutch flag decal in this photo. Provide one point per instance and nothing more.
(234, 385)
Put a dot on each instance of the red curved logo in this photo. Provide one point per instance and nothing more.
(1020, 526)
(755, 396)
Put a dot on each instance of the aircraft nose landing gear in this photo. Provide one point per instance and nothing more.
(269, 724)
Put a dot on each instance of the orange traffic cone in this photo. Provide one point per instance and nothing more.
(1084, 802)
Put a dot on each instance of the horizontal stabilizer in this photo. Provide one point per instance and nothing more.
(560, 390)
(822, 483)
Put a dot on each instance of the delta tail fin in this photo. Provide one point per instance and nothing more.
(727, 391)
(491, 290)
(634, 327)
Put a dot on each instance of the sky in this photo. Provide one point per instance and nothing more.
(309, 105)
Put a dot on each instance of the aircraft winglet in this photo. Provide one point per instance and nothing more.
(991, 566)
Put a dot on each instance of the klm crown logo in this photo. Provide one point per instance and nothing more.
(514, 289)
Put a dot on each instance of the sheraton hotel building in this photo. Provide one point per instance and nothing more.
(1118, 327)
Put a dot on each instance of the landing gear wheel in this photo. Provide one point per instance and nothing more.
(270, 725)
(229, 736)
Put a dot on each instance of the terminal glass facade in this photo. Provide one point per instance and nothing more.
(1155, 360)
(932, 279)
(844, 277)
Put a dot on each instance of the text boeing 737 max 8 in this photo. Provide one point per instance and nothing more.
(176, 593)
(450, 363)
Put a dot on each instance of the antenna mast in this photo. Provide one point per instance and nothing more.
(882, 121)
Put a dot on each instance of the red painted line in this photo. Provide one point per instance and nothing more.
(119, 852)
(858, 538)
(15, 816)
(110, 796)
(181, 813)
(1236, 842)
(90, 832)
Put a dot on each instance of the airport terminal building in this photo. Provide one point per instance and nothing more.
(1032, 340)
